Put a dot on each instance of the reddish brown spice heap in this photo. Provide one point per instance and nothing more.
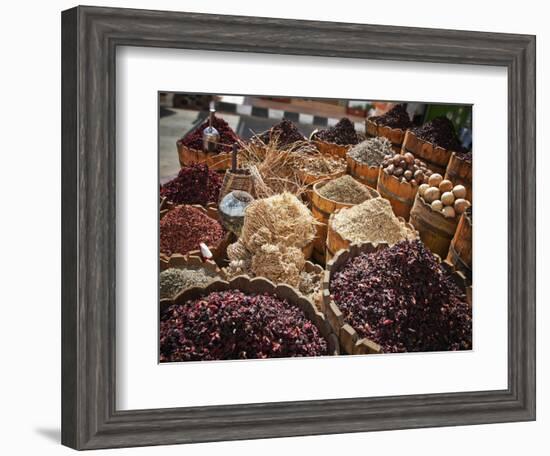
(285, 133)
(194, 184)
(396, 117)
(185, 227)
(234, 325)
(342, 133)
(440, 132)
(228, 137)
(401, 298)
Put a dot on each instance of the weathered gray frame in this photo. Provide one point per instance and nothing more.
(90, 36)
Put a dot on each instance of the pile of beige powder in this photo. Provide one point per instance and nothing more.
(345, 189)
(371, 221)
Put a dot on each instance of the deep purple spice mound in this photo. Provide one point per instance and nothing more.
(342, 133)
(285, 133)
(235, 325)
(401, 298)
(228, 137)
(440, 132)
(396, 117)
(194, 184)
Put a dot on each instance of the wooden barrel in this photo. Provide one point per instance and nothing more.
(460, 249)
(335, 242)
(400, 194)
(188, 156)
(261, 285)
(459, 171)
(394, 135)
(436, 157)
(321, 209)
(362, 172)
(436, 231)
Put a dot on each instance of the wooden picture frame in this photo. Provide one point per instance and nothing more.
(90, 37)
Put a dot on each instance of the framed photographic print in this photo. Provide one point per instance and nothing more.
(269, 229)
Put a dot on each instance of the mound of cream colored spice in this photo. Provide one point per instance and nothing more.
(345, 189)
(371, 221)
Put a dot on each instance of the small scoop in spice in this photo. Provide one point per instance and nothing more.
(206, 254)
(210, 136)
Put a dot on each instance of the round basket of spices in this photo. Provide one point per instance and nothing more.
(194, 184)
(433, 143)
(392, 125)
(327, 197)
(180, 272)
(190, 147)
(336, 140)
(318, 167)
(242, 319)
(460, 249)
(399, 193)
(436, 211)
(408, 301)
(459, 171)
(372, 221)
(364, 159)
(184, 227)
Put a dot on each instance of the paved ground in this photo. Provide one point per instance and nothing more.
(175, 123)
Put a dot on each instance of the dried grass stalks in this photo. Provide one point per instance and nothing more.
(274, 169)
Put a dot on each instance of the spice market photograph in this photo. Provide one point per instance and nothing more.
(301, 227)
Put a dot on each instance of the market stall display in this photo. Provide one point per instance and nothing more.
(364, 159)
(194, 184)
(408, 301)
(242, 319)
(371, 221)
(436, 211)
(274, 241)
(391, 125)
(327, 197)
(191, 151)
(398, 181)
(434, 143)
(336, 140)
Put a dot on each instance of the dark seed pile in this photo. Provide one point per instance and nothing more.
(402, 299)
(396, 117)
(228, 137)
(234, 325)
(183, 228)
(440, 132)
(342, 133)
(194, 184)
(284, 132)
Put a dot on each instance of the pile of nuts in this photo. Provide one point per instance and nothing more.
(406, 168)
(443, 197)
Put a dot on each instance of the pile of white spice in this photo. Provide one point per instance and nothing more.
(371, 221)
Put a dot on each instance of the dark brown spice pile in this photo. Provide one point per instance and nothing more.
(396, 117)
(440, 132)
(285, 133)
(228, 137)
(234, 325)
(342, 133)
(194, 184)
(183, 228)
(401, 298)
